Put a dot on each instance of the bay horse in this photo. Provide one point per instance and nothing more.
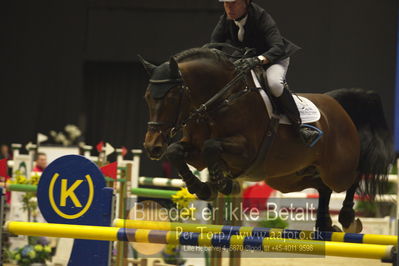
(226, 135)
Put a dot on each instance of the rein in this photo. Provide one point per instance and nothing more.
(202, 110)
(199, 112)
(271, 130)
(241, 52)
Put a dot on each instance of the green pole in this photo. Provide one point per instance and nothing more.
(153, 193)
(21, 187)
(109, 179)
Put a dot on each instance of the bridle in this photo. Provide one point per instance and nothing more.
(173, 128)
(167, 129)
(202, 111)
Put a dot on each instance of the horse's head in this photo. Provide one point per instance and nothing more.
(171, 101)
(164, 97)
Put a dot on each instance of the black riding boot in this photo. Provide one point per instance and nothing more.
(288, 107)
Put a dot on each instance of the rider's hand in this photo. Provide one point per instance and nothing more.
(248, 63)
(263, 59)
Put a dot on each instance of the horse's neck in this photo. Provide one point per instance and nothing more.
(204, 79)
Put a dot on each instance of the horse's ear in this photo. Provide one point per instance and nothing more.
(174, 68)
(149, 68)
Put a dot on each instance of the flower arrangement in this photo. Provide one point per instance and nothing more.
(182, 199)
(37, 251)
(19, 178)
(171, 255)
(29, 200)
(67, 138)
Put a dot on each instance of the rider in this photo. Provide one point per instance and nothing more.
(245, 24)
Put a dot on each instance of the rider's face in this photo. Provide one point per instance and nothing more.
(235, 9)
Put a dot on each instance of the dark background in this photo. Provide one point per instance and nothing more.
(75, 61)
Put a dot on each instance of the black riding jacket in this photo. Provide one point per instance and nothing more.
(261, 33)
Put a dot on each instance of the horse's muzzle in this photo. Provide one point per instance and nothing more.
(154, 152)
(155, 144)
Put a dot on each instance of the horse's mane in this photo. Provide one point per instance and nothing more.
(201, 53)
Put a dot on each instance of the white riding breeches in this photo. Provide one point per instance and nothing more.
(275, 76)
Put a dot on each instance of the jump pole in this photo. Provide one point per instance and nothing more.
(19, 187)
(2, 218)
(136, 168)
(161, 182)
(235, 255)
(397, 183)
(259, 231)
(122, 193)
(266, 244)
(145, 192)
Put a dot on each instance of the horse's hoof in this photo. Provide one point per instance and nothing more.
(228, 187)
(225, 186)
(335, 228)
(331, 228)
(207, 192)
(355, 227)
(346, 216)
(236, 188)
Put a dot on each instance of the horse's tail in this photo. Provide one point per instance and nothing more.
(376, 146)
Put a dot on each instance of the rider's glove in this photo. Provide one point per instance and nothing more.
(248, 63)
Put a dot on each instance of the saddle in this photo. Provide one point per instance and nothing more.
(308, 111)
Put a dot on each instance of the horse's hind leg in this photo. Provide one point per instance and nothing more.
(176, 154)
(347, 214)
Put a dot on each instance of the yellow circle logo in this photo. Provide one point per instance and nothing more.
(69, 192)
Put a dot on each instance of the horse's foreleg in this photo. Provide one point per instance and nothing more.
(177, 154)
(323, 222)
(220, 174)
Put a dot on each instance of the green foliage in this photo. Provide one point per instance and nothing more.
(274, 222)
(375, 208)
(29, 201)
(171, 255)
(368, 209)
(394, 170)
(7, 255)
(390, 188)
(37, 251)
